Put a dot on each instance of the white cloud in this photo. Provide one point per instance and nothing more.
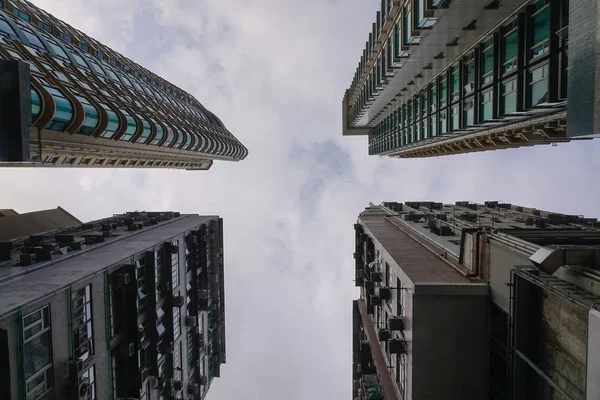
(275, 73)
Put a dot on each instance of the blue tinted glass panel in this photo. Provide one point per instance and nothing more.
(84, 47)
(188, 141)
(79, 60)
(66, 38)
(34, 40)
(58, 50)
(64, 111)
(36, 104)
(179, 138)
(90, 123)
(6, 29)
(22, 14)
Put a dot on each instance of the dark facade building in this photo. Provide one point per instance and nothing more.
(127, 307)
(475, 301)
(67, 100)
(442, 77)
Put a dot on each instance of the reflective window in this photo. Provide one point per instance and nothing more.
(112, 74)
(179, 139)
(79, 60)
(96, 67)
(131, 127)
(468, 112)
(58, 50)
(22, 14)
(146, 131)
(6, 29)
(34, 40)
(36, 104)
(188, 141)
(170, 137)
(487, 61)
(509, 96)
(540, 29)
(538, 81)
(90, 123)
(45, 26)
(64, 110)
(487, 105)
(84, 47)
(66, 38)
(113, 122)
(511, 49)
(37, 357)
(159, 134)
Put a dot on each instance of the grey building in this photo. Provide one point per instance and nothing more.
(440, 77)
(475, 301)
(127, 307)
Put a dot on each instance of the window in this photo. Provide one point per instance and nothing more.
(443, 123)
(159, 134)
(443, 92)
(113, 123)
(401, 373)
(22, 14)
(455, 83)
(131, 127)
(51, 160)
(176, 323)
(179, 139)
(509, 97)
(64, 110)
(85, 161)
(454, 118)
(89, 377)
(36, 104)
(37, 358)
(99, 161)
(5, 29)
(158, 274)
(175, 266)
(84, 47)
(538, 83)
(112, 62)
(45, 26)
(399, 298)
(33, 39)
(469, 68)
(146, 131)
(540, 29)
(468, 112)
(81, 303)
(91, 121)
(487, 61)
(487, 105)
(70, 160)
(66, 38)
(99, 54)
(511, 48)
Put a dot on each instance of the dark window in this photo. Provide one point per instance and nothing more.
(66, 38)
(45, 26)
(22, 14)
(84, 47)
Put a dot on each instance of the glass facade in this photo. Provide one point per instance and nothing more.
(483, 85)
(37, 353)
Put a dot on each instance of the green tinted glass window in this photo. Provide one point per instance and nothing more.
(487, 105)
(113, 123)
(538, 81)
(58, 50)
(509, 97)
(131, 127)
(540, 32)
(159, 134)
(146, 131)
(90, 123)
(511, 50)
(180, 137)
(36, 104)
(170, 137)
(63, 113)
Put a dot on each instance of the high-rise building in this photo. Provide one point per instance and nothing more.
(67, 100)
(475, 301)
(127, 307)
(440, 77)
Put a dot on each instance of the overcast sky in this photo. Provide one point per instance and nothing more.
(275, 72)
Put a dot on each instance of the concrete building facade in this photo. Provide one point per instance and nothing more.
(127, 307)
(475, 301)
(67, 100)
(440, 77)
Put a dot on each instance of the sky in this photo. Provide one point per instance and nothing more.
(275, 71)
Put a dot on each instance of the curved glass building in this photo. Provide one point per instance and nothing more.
(67, 100)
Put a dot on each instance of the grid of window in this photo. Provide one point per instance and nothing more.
(483, 85)
(37, 357)
(142, 291)
(158, 275)
(401, 373)
(177, 366)
(399, 298)
(83, 343)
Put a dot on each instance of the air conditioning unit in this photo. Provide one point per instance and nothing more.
(396, 323)
(75, 366)
(178, 301)
(397, 346)
(83, 389)
(123, 279)
(174, 249)
(127, 349)
(191, 321)
(193, 388)
(203, 380)
(178, 385)
(385, 294)
(384, 335)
